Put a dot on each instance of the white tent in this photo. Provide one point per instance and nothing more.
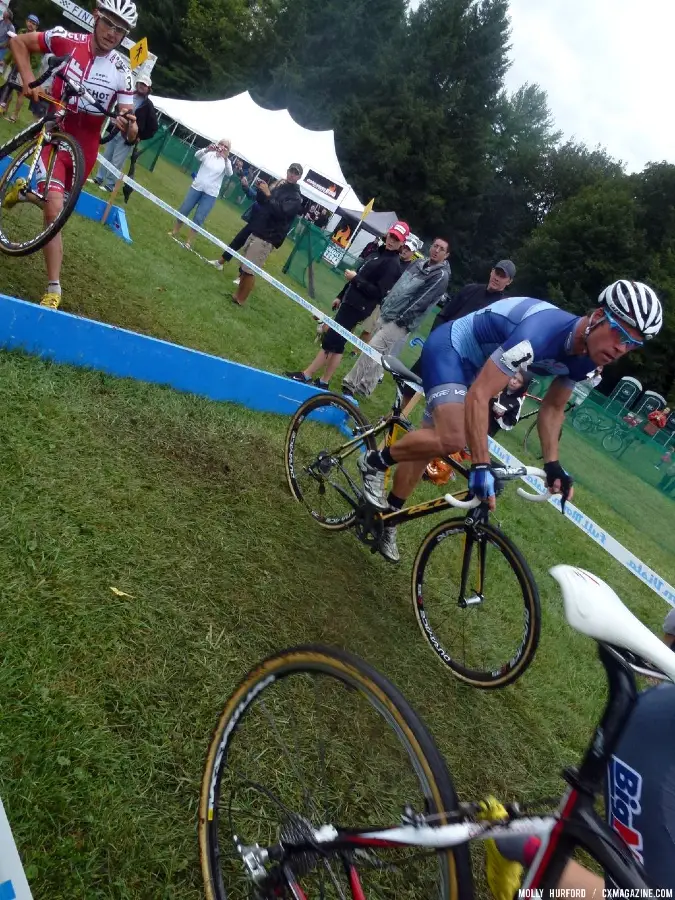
(270, 140)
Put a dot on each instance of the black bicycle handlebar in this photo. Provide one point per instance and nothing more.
(56, 63)
(77, 90)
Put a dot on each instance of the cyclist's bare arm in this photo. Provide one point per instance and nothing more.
(490, 382)
(551, 418)
(22, 46)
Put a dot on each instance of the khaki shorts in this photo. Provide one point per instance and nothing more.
(256, 250)
(371, 321)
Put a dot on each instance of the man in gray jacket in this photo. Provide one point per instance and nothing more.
(420, 287)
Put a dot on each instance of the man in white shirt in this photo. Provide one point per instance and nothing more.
(205, 188)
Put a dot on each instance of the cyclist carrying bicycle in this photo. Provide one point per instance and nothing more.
(467, 362)
(105, 73)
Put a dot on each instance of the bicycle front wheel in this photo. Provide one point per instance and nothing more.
(612, 442)
(325, 439)
(314, 736)
(476, 603)
(23, 229)
(532, 442)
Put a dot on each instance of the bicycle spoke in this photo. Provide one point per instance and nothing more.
(314, 753)
(472, 605)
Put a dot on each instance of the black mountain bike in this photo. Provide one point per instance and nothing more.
(26, 181)
(315, 755)
(475, 599)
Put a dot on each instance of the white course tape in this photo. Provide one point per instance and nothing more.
(363, 347)
(572, 513)
(593, 530)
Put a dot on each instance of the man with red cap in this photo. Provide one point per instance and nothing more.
(367, 288)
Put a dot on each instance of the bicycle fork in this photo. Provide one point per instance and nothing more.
(471, 542)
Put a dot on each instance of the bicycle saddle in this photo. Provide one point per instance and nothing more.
(592, 608)
(394, 366)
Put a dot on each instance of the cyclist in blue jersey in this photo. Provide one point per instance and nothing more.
(467, 362)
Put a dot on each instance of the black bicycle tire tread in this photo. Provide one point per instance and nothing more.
(527, 441)
(68, 207)
(534, 629)
(21, 138)
(460, 859)
(323, 399)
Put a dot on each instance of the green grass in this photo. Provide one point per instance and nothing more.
(108, 701)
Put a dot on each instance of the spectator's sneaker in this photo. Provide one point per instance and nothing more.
(321, 384)
(347, 391)
(297, 376)
(13, 195)
(388, 546)
(51, 300)
(216, 263)
(373, 484)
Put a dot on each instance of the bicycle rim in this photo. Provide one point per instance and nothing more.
(317, 472)
(316, 736)
(612, 442)
(487, 630)
(532, 442)
(22, 227)
(582, 421)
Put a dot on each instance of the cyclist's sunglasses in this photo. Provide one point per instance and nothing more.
(112, 26)
(627, 338)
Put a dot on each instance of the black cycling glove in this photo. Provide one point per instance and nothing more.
(555, 472)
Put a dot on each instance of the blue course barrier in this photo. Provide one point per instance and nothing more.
(64, 338)
(91, 207)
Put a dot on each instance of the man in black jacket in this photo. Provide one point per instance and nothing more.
(470, 299)
(269, 225)
(366, 289)
(118, 149)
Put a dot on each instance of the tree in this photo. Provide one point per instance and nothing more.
(522, 136)
(421, 146)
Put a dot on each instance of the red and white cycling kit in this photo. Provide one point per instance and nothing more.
(107, 78)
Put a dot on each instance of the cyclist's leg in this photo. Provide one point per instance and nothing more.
(445, 377)
(60, 181)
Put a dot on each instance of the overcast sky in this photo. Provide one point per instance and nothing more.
(607, 68)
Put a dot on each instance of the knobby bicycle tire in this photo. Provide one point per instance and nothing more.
(412, 735)
(331, 404)
(24, 248)
(15, 142)
(512, 668)
(531, 442)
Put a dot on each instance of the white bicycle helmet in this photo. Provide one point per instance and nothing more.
(636, 304)
(123, 9)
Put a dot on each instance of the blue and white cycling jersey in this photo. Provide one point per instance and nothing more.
(519, 333)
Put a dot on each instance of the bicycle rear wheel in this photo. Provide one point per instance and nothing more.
(584, 421)
(322, 448)
(476, 603)
(315, 736)
(22, 226)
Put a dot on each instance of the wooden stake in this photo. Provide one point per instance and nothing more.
(115, 190)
